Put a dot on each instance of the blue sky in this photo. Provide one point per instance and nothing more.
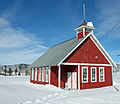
(29, 28)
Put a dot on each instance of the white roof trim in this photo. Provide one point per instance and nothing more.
(92, 64)
(99, 47)
(87, 27)
(76, 47)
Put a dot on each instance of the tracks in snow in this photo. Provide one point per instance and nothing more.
(50, 99)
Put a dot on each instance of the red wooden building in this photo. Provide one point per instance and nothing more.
(79, 63)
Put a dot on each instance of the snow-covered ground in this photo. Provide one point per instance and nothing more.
(18, 90)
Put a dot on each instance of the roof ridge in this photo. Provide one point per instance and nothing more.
(63, 42)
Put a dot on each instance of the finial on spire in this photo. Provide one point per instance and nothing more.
(84, 11)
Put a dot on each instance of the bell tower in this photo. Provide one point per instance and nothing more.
(85, 27)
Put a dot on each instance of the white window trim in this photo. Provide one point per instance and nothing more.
(47, 71)
(95, 74)
(43, 74)
(39, 78)
(82, 75)
(103, 74)
(35, 74)
(32, 74)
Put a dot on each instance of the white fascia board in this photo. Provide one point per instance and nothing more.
(75, 47)
(91, 64)
(94, 39)
(87, 27)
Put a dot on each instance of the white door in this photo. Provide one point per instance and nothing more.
(74, 80)
(69, 80)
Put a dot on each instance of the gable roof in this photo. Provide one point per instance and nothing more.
(58, 53)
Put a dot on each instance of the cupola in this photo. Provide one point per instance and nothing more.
(84, 28)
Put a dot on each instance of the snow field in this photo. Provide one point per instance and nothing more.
(18, 90)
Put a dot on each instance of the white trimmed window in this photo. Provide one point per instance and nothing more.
(85, 74)
(47, 74)
(93, 74)
(101, 74)
(35, 74)
(43, 75)
(39, 74)
(32, 73)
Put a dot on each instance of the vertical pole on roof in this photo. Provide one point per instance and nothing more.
(84, 11)
(59, 75)
(49, 73)
(78, 77)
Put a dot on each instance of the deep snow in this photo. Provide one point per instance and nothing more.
(18, 90)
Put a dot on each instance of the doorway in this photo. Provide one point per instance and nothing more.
(71, 80)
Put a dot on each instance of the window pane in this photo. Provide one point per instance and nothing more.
(39, 74)
(46, 74)
(35, 74)
(93, 74)
(101, 76)
(32, 73)
(84, 74)
(43, 69)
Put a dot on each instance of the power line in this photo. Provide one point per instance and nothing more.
(113, 28)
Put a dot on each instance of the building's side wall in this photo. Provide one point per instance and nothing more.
(87, 52)
(54, 76)
(97, 84)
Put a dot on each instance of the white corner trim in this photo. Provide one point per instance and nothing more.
(59, 76)
(75, 48)
(93, 38)
(78, 77)
(86, 64)
(49, 74)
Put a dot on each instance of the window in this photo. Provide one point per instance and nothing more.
(43, 70)
(101, 74)
(32, 73)
(35, 74)
(47, 74)
(93, 74)
(84, 74)
(39, 74)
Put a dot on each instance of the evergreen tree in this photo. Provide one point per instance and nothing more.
(5, 70)
(19, 73)
(16, 71)
(10, 71)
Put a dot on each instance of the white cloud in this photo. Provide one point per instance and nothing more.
(12, 10)
(19, 46)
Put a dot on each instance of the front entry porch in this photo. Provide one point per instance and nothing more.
(69, 76)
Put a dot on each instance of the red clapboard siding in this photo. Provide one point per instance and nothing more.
(86, 53)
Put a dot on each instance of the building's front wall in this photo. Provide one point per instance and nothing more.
(90, 84)
(107, 77)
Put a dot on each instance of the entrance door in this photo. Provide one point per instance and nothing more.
(74, 80)
(69, 80)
